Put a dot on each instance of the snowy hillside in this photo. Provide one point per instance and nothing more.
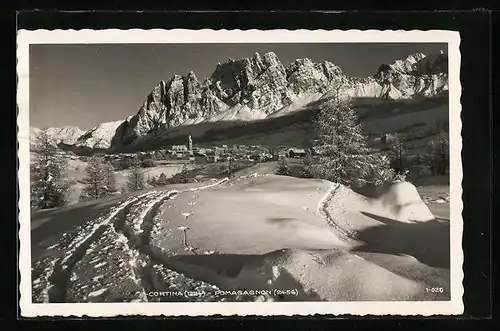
(271, 232)
(99, 137)
(66, 135)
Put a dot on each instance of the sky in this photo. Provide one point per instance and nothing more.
(87, 84)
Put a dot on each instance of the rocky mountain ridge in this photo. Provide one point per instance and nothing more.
(261, 86)
(258, 86)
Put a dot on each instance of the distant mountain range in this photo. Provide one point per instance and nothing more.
(257, 88)
(67, 135)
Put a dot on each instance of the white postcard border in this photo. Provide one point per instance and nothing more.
(114, 36)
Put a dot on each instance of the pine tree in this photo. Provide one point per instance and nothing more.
(100, 180)
(136, 181)
(345, 158)
(49, 185)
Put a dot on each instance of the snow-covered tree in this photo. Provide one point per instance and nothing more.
(345, 156)
(49, 184)
(377, 171)
(100, 180)
(136, 180)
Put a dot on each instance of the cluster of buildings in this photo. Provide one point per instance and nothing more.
(237, 152)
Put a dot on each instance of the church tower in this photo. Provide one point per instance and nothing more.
(190, 145)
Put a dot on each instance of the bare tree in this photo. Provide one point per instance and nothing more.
(282, 167)
(109, 179)
(399, 152)
(100, 180)
(438, 150)
(136, 181)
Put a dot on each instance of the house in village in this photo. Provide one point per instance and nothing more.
(295, 152)
(179, 149)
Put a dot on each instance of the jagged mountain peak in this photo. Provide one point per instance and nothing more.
(259, 86)
(418, 64)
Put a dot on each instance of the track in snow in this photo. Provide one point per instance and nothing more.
(62, 268)
(134, 218)
(53, 274)
(342, 233)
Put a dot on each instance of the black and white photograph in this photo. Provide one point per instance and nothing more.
(239, 172)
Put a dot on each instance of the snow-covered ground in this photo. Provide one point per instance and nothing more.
(76, 172)
(255, 231)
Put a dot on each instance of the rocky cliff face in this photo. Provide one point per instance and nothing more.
(261, 86)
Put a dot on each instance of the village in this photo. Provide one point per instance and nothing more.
(189, 153)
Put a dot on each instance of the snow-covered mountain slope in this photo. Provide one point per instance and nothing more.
(34, 133)
(300, 103)
(238, 112)
(99, 137)
(261, 86)
(66, 135)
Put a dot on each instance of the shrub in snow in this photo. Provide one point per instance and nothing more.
(162, 179)
(182, 177)
(152, 180)
(282, 167)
